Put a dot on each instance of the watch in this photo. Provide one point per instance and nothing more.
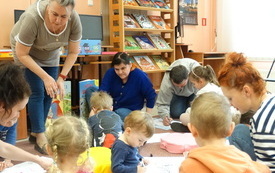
(63, 76)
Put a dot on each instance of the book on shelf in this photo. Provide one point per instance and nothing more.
(145, 62)
(83, 105)
(90, 47)
(134, 63)
(130, 43)
(160, 61)
(130, 2)
(159, 22)
(60, 107)
(146, 3)
(158, 41)
(130, 22)
(160, 4)
(144, 21)
(144, 42)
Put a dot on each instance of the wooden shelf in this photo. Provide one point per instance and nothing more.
(148, 50)
(147, 8)
(148, 30)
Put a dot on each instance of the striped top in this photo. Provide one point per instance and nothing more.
(263, 132)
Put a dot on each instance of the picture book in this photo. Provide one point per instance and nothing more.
(83, 105)
(129, 22)
(159, 22)
(144, 21)
(144, 42)
(159, 42)
(60, 107)
(130, 43)
(134, 63)
(130, 2)
(160, 61)
(90, 47)
(145, 62)
(160, 4)
(146, 3)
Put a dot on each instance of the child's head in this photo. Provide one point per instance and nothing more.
(139, 127)
(201, 75)
(14, 93)
(67, 137)
(101, 100)
(211, 116)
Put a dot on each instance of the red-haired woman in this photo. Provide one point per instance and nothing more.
(243, 85)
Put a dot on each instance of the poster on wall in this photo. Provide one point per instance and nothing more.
(188, 12)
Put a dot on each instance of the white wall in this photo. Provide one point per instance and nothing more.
(246, 26)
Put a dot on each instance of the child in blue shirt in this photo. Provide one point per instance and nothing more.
(138, 128)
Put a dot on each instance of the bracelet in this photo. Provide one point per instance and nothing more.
(63, 76)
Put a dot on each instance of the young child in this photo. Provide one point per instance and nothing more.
(14, 95)
(210, 124)
(68, 137)
(105, 125)
(138, 128)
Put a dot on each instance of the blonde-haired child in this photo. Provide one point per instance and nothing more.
(106, 126)
(138, 128)
(68, 137)
(210, 124)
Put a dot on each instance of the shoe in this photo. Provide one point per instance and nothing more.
(41, 150)
(177, 126)
(32, 139)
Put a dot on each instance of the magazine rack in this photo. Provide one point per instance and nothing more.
(118, 33)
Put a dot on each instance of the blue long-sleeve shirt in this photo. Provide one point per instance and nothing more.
(125, 158)
(133, 93)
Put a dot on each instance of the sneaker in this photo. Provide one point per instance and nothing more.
(177, 126)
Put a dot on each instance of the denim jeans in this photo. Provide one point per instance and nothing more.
(179, 104)
(241, 139)
(122, 112)
(39, 102)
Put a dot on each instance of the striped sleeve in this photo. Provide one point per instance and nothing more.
(263, 133)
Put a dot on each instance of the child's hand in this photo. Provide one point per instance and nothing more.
(166, 120)
(141, 169)
(5, 164)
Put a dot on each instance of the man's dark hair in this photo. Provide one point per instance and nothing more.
(178, 74)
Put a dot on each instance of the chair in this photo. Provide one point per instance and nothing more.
(267, 77)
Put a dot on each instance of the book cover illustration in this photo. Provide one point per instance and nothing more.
(129, 22)
(134, 63)
(90, 47)
(83, 105)
(160, 61)
(130, 43)
(144, 21)
(146, 3)
(60, 107)
(160, 4)
(144, 42)
(159, 22)
(145, 62)
(159, 42)
(130, 2)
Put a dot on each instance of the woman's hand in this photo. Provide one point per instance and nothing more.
(60, 85)
(51, 86)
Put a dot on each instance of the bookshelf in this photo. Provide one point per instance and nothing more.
(117, 9)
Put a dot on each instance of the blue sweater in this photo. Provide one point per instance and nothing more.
(125, 158)
(133, 93)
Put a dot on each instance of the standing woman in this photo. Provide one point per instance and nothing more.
(129, 87)
(36, 39)
(243, 85)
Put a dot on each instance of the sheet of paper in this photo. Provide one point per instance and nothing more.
(158, 124)
(25, 167)
(163, 164)
(156, 137)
